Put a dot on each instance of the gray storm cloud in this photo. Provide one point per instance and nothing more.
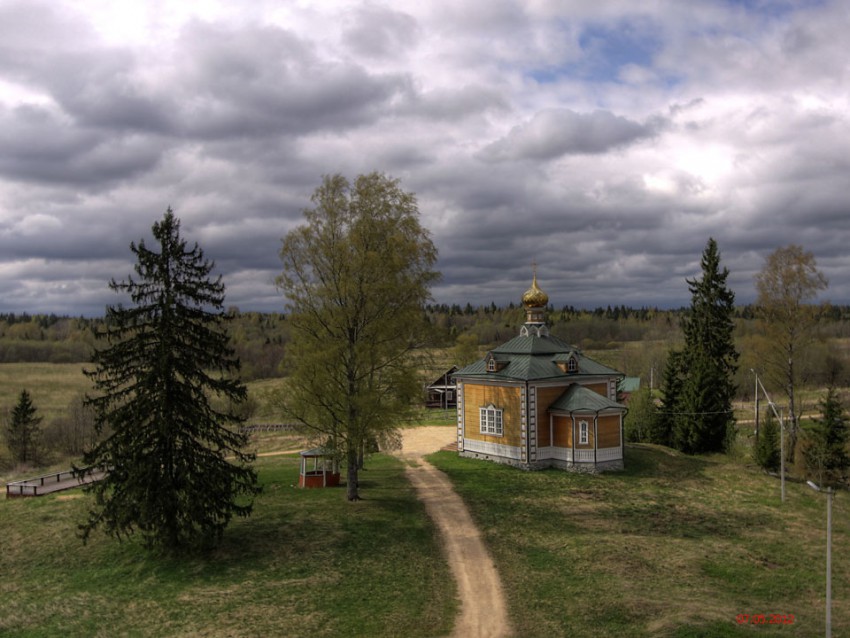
(605, 142)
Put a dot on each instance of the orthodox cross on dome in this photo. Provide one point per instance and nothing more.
(535, 301)
(534, 297)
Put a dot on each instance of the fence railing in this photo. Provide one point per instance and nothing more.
(48, 483)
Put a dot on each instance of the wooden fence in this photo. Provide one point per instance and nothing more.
(49, 483)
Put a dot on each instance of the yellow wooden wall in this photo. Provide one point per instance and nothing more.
(609, 431)
(477, 396)
(562, 431)
(608, 428)
(598, 388)
(545, 398)
(508, 399)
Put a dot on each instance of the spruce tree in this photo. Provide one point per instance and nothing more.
(703, 405)
(175, 466)
(671, 391)
(766, 452)
(702, 421)
(23, 434)
(825, 449)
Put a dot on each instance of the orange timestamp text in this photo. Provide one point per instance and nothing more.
(765, 619)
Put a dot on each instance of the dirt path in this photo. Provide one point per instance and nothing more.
(483, 610)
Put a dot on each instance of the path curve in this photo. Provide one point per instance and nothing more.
(483, 611)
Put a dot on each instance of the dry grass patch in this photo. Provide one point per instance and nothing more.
(53, 386)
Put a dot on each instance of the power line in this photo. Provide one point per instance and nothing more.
(695, 413)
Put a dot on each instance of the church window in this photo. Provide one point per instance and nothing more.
(491, 365)
(491, 420)
(583, 432)
(572, 365)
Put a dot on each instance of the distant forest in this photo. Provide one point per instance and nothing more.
(259, 340)
(634, 340)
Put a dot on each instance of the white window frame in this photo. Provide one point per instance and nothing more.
(572, 365)
(490, 420)
(583, 433)
(491, 365)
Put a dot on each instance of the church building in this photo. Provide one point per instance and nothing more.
(537, 402)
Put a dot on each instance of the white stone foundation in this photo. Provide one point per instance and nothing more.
(510, 455)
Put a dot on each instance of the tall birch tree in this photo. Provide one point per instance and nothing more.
(356, 276)
(786, 286)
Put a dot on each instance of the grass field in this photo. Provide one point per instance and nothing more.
(52, 386)
(307, 563)
(673, 546)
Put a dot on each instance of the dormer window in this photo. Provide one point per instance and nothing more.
(492, 364)
(570, 366)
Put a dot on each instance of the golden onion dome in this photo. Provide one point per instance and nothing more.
(534, 297)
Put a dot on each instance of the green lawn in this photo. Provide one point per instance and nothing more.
(307, 563)
(674, 546)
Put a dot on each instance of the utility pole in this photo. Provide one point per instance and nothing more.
(756, 397)
(781, 452)
(830, 493)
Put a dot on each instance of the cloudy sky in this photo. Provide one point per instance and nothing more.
(607, 141)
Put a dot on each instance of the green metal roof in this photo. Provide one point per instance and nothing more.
(532, 359)
(629, 384)
(579, 399)
(534, 345)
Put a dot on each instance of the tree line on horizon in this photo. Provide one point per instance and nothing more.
(260, 338)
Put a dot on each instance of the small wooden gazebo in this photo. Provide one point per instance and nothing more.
(322, 473)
